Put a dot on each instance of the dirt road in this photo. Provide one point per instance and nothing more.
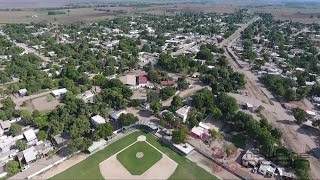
(19, 100)
(294, 136)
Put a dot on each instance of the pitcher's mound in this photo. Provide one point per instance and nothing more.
(113, 169)
(139, 155)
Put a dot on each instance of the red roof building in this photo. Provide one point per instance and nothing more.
(142, 80)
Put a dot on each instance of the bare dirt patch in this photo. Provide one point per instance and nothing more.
(44, 103)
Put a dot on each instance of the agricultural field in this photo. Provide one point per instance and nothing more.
(92, 166)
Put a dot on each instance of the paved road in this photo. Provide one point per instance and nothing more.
(297, 138)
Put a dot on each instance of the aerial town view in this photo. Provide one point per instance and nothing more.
(171, 89)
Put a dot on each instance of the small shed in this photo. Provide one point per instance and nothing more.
(22, 92)
(97, 120)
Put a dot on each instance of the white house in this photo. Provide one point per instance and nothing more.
(116, 114)
(30, 135)
(183, 113)
(59, 92)
(29, 154)
(97, 120)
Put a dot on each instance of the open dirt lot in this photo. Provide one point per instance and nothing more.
(44, 103)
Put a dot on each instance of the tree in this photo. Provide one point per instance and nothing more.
(15, 129)
(155, 106)
(214, 134)
(103, 131)
(176, 103)
(135, 103)
(167, 92)
(79, 127)
(79, 144)
(127, 119)
(179, 135)
(182, 83)
(21, 145)
(299, 114)
(227, 104)
(42, 135)
(12, 167)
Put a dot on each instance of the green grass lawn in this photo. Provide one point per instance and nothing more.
(89, 168)
(137, 166)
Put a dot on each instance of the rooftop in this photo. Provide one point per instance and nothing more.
(30, 135)
(29, 154)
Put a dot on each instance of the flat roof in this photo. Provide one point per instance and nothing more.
(29, 154)
(98, 119)
(30, 135)
(185, 148)
(59, 92)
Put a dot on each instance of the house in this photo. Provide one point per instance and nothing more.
(43, 148)
(252, 158)
(311, 114)
(116, 114)
(7, 156)
(97, 120)
(142, 80)
(267, 169)
(22, 92)
(29, 155)
(30, 136)
(129, 80)
(87, 96)
(61, 139)
(58, 93)
(5, 125)
(199, 132)
(183, 113)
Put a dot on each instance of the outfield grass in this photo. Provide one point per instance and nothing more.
(137, 166)
(89, 168)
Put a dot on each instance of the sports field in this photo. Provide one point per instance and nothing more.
(89, 168)
(139, 157)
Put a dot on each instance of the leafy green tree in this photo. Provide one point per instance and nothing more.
(299, 114)
(80, 126)
(179, 135)
(176, 103)
(167, 92)
(42, 135)
(103, 131)
(127, 119)
(214, 134)
(155, 106)
(15, 129)
(227, 104)
(12, 167)
(21, 145)
(182, 83)
(79, 144)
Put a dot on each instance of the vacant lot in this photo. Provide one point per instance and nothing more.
(89, 168)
